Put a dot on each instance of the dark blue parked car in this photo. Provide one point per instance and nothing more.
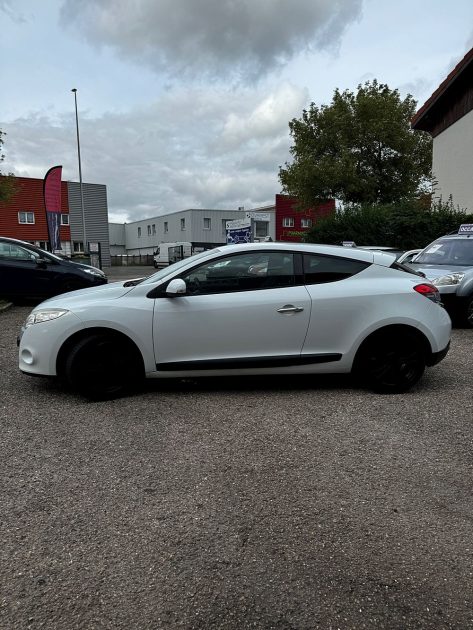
(28, 272)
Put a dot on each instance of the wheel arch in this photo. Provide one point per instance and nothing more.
(395, 329)
(71, 341)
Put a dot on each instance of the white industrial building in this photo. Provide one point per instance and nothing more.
(204, 229)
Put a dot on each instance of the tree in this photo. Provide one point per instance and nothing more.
(7, 182)
(358, 149)
(407, 224)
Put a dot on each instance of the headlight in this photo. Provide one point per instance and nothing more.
(451, 278)
(93, 272)
(44, 316)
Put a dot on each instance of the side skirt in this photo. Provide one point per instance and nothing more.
(247, 362)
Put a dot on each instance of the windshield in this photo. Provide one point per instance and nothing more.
(163, 273)
(448, 251)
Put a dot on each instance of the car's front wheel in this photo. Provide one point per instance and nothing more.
(390, 362)
(102, 366)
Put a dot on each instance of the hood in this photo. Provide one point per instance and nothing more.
(110, 291)
(436, 271)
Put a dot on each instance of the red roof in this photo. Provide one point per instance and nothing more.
(442, 88)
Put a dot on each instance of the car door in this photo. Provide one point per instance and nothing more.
(23, 274)
(242, 311)
(341, 305)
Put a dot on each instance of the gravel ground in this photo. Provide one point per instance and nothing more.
(256, 503)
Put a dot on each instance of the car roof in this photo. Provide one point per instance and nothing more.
(366, 255)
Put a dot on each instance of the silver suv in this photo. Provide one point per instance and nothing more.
(448, 263)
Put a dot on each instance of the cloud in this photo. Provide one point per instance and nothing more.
(193, 148)
(6, 7)
(211, 38)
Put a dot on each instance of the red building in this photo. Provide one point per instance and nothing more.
(291, 224)
(24, 215)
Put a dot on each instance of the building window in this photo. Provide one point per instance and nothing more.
(166, 227)
(139, 232)
(183, 224)
(288, 222)
(26, 217)
(149, 230)
(78, 247)
(306, 223)
(261, 228)
(64, 219)
(207, 224)
(154, 228)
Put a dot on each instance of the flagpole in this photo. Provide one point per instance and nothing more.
(80, 174)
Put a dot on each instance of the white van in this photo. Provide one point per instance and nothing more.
(167, 253)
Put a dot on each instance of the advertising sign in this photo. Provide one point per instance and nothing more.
(466, 228)
(238, 231)
(258, 216)
(52, 204)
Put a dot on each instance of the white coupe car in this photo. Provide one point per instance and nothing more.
(261, 308)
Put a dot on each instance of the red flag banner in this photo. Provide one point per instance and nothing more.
(52, 203)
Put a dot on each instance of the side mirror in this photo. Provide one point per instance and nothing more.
(41, 262)
(176, 287)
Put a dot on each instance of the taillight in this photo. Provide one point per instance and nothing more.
(428, 291)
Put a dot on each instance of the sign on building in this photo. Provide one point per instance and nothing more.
(239, 231)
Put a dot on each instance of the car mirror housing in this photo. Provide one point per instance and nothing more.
(176, 287)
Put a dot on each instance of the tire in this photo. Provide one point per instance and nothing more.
(390, 362)
(103, 366)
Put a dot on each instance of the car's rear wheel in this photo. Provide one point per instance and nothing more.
(103, 366)
(390, 362)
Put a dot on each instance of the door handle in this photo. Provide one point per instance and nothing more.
(289, 308)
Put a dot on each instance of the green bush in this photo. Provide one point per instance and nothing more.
(406, 225)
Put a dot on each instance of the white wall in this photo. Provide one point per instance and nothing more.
(452, 162)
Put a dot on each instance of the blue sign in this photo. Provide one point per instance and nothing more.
(239, 235)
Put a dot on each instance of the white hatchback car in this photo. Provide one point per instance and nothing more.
(261, 308)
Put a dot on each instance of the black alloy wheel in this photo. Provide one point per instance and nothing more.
(390, 362)
(103, 366)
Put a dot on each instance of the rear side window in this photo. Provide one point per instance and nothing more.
(318, 268)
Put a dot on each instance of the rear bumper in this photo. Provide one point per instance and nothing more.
(436, 357)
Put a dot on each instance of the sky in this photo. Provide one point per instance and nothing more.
(186, 103)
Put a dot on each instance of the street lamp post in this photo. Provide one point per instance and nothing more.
(80, 174)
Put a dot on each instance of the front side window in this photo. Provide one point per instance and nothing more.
(207, 223)
(242, 272)
(64, 219)
(288, 222)
(26, 217)
(319, 269)
(8, 251)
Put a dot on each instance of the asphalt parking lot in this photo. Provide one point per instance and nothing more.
(256, 503)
